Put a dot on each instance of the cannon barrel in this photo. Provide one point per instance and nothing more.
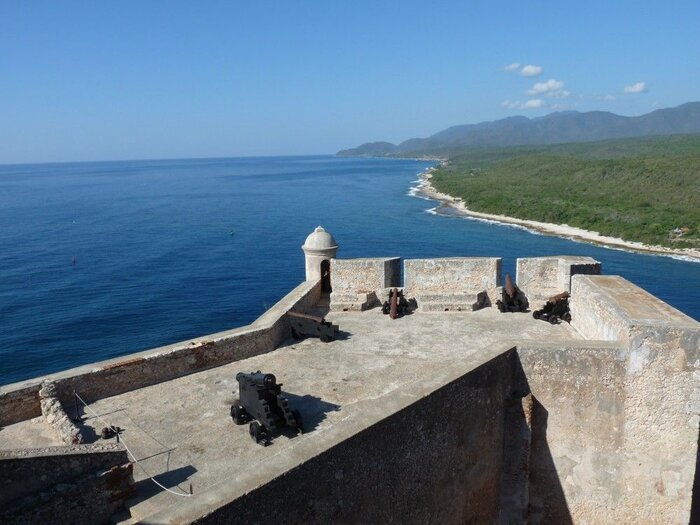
(558, 297)
(258, 378)
(509, 288)
(394, 303)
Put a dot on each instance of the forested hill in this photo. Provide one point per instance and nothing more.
(643, 189)
(560, 127)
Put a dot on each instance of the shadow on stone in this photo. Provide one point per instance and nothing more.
(313, 409)
(342, 335)
(146, 488)
(695, 501)
(547, 501)
(531, 490)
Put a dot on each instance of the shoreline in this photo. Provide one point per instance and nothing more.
(426, 189)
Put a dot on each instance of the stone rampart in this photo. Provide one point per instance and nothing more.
(358, 284)
(438, 460)
(20, 401)
(451, 283)
(661, 375)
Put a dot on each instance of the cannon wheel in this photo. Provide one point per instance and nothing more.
(325, 338)
(298, 420)
(536, 314)
(238, 413)
(255, 431)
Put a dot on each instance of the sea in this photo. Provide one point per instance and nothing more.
(103, 259)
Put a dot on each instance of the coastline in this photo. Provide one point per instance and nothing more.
(427, 190)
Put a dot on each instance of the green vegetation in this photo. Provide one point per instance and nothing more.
(645, 189)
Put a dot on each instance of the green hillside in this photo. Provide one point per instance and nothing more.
(638, 189)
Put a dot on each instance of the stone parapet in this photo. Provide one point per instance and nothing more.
(451, 283)
(20, 401)
(542, 277)
(357, 283)
(660, 349)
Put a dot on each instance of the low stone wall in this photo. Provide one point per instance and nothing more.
(440, 460)
(542, 277)
(72, 484)
(661, 374)
(358, 283)
(20, 401)
(451, 283)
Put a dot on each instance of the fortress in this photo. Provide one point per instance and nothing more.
(448, 415)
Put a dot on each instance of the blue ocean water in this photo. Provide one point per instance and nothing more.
(104, 259)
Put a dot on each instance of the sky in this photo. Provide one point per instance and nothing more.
(98, 80)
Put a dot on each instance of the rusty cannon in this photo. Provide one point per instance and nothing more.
(262, 404)
(311, 325)
(398, 305)
(555, 310)
(512, 298)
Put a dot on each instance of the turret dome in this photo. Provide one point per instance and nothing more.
(319, 241)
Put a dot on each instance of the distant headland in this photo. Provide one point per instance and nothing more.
(625, 182)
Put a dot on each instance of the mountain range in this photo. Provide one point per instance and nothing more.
(558, 127)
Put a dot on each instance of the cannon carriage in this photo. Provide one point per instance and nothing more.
(262, 404)
(512, 298)
(556, 309)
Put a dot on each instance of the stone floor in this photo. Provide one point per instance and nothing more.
(181, 432)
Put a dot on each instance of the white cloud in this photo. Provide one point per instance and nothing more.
(550, 87)
(639, 87)
(609, 97)
(512, 67)
(531, 71)
(533, 103)
(529, 104)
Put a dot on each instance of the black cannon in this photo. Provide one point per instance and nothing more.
(261, 400)
(305, 324)
(512, 298)
(555, 310)
(398, 305)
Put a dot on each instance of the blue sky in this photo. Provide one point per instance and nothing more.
(132, 80)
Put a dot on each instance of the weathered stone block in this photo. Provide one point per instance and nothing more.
(56, 417)
(356, 283)
(660, 349)
(451, 283)
(542, 277)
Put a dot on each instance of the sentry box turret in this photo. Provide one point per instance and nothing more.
(261, 400)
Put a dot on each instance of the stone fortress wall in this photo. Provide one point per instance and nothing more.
(596, 430)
